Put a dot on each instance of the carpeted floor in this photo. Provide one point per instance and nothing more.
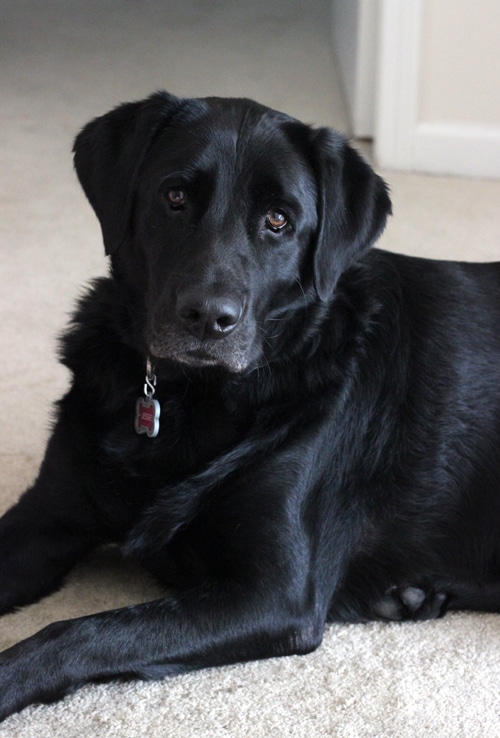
(64, 61)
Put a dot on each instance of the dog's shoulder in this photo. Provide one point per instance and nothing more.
(98, 343)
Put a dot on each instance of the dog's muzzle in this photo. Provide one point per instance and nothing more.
(205, 330)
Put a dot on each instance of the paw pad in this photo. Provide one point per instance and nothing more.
(410, 603)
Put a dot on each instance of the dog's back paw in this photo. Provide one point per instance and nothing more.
(410, 603)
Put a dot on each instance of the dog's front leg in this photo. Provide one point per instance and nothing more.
(50, 528)
(205, 627)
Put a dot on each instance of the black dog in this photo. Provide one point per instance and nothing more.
(328, 444)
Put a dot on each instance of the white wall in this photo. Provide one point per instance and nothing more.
(460, 62)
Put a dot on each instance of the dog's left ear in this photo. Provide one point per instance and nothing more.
(353, 208)
(108, 153)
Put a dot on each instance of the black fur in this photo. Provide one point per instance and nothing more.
(329, 446)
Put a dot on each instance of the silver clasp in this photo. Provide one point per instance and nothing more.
(150, 381)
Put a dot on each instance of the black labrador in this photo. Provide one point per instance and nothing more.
(283, 425)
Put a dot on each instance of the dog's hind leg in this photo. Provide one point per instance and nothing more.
(481, 597)
(419, 603)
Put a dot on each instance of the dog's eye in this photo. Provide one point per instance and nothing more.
(176, 198)
(276, 220)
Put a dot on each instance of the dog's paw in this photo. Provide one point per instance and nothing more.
(410, 603)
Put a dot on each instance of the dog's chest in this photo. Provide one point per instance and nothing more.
(195, 428)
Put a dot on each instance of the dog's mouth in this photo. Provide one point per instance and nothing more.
(199, 357)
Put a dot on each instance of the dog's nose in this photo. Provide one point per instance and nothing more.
(208, 317)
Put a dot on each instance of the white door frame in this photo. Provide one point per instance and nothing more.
(355, 48)
(401, 140)
(376, 43)
(396, 89)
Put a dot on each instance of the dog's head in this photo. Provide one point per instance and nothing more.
(225, 217)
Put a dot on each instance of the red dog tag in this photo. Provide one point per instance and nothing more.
(147, 416)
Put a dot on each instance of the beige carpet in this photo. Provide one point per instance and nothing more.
(64, 61)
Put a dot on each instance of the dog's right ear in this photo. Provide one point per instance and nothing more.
(108, 153)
